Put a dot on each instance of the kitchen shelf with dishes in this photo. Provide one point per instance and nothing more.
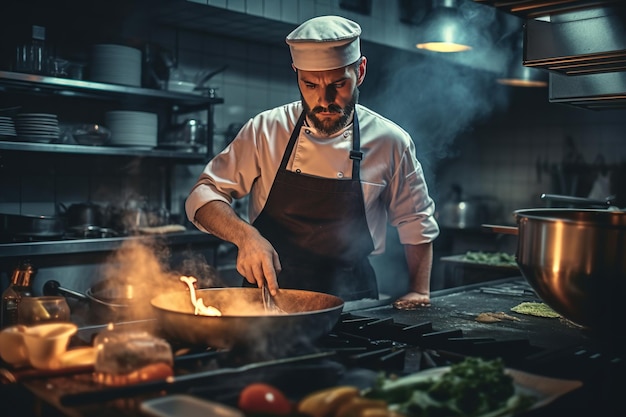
(179, 104)
(27, 130)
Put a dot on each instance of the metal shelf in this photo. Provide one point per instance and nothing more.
(70, 87)
(37, 84)
(190, 156)
(75, 246)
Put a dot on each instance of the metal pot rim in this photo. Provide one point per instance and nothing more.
(595, 217)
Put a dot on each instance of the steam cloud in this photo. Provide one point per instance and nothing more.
(436, 102)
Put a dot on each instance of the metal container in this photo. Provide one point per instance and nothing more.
(191, 134)
(15, 226)
(575, 259)
(82, 215)
(460, 212)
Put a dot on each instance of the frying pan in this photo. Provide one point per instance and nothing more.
(309, 315)
(15, 225)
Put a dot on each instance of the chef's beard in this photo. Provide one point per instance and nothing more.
(329, 126)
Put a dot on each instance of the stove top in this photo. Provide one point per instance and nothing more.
(363, 344)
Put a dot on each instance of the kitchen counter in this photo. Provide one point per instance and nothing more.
(545, 346)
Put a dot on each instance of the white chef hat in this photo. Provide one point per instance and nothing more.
(324, 43)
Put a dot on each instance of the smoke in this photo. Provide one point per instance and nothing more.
(437, 97)
(436, 102)
(141, 269)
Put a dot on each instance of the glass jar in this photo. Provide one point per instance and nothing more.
(125, 356)
(45, 309)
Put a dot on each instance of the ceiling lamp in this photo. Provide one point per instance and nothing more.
(518, 75)
(444, 29)
(521, 76)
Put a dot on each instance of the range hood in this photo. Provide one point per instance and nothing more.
(581, 43)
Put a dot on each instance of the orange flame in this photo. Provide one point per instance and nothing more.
(198, 303)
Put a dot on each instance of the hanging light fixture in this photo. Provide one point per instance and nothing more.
(521, 76)
(518, 75)
(444, 29)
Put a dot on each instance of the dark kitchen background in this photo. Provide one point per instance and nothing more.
(478, 140)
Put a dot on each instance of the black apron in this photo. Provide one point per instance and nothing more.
(319, 229)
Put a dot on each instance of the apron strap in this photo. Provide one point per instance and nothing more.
(292, 141)
(355, 154)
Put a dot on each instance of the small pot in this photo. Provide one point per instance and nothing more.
(109, 302)
(190, 134)
(81, 215)
(460, 212)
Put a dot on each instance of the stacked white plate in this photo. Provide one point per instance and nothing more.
(115, 64)
(37, 127)
(7, 127)
(132, 128)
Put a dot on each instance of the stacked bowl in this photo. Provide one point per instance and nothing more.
(116, 64)
(132, 128)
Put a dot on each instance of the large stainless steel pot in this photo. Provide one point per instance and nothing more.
(575, 259)
(243, 322)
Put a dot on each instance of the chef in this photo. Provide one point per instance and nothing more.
(324, 175)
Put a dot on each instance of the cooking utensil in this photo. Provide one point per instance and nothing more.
(81, 215)
(191, 134)
(574, 260)
(575, 202)
(109, 301)
(268, 301)
(24, 226)
(460, 212)
(309, 315)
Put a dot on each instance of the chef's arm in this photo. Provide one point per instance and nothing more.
(257, 260)
(419, 260)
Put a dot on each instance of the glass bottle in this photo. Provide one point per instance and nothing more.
(20, 286)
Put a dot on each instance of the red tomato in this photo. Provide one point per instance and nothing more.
(260, 398)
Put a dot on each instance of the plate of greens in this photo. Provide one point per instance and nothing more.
(475, 387)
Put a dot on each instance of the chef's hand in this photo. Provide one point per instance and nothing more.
(412, 300)
(258, 262)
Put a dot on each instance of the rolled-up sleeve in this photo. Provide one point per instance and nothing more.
(411, 209)
(226, 177)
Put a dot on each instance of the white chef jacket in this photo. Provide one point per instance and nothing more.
(393, 182)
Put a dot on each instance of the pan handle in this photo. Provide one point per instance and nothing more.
(509, 230)
(54, 288)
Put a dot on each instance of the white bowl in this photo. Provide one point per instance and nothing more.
(12, 347)
(46, 343)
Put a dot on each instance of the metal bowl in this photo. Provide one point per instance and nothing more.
(91, 134)
(575, 261)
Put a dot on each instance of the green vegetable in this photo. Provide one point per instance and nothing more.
(471, 388)
(487, 258)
